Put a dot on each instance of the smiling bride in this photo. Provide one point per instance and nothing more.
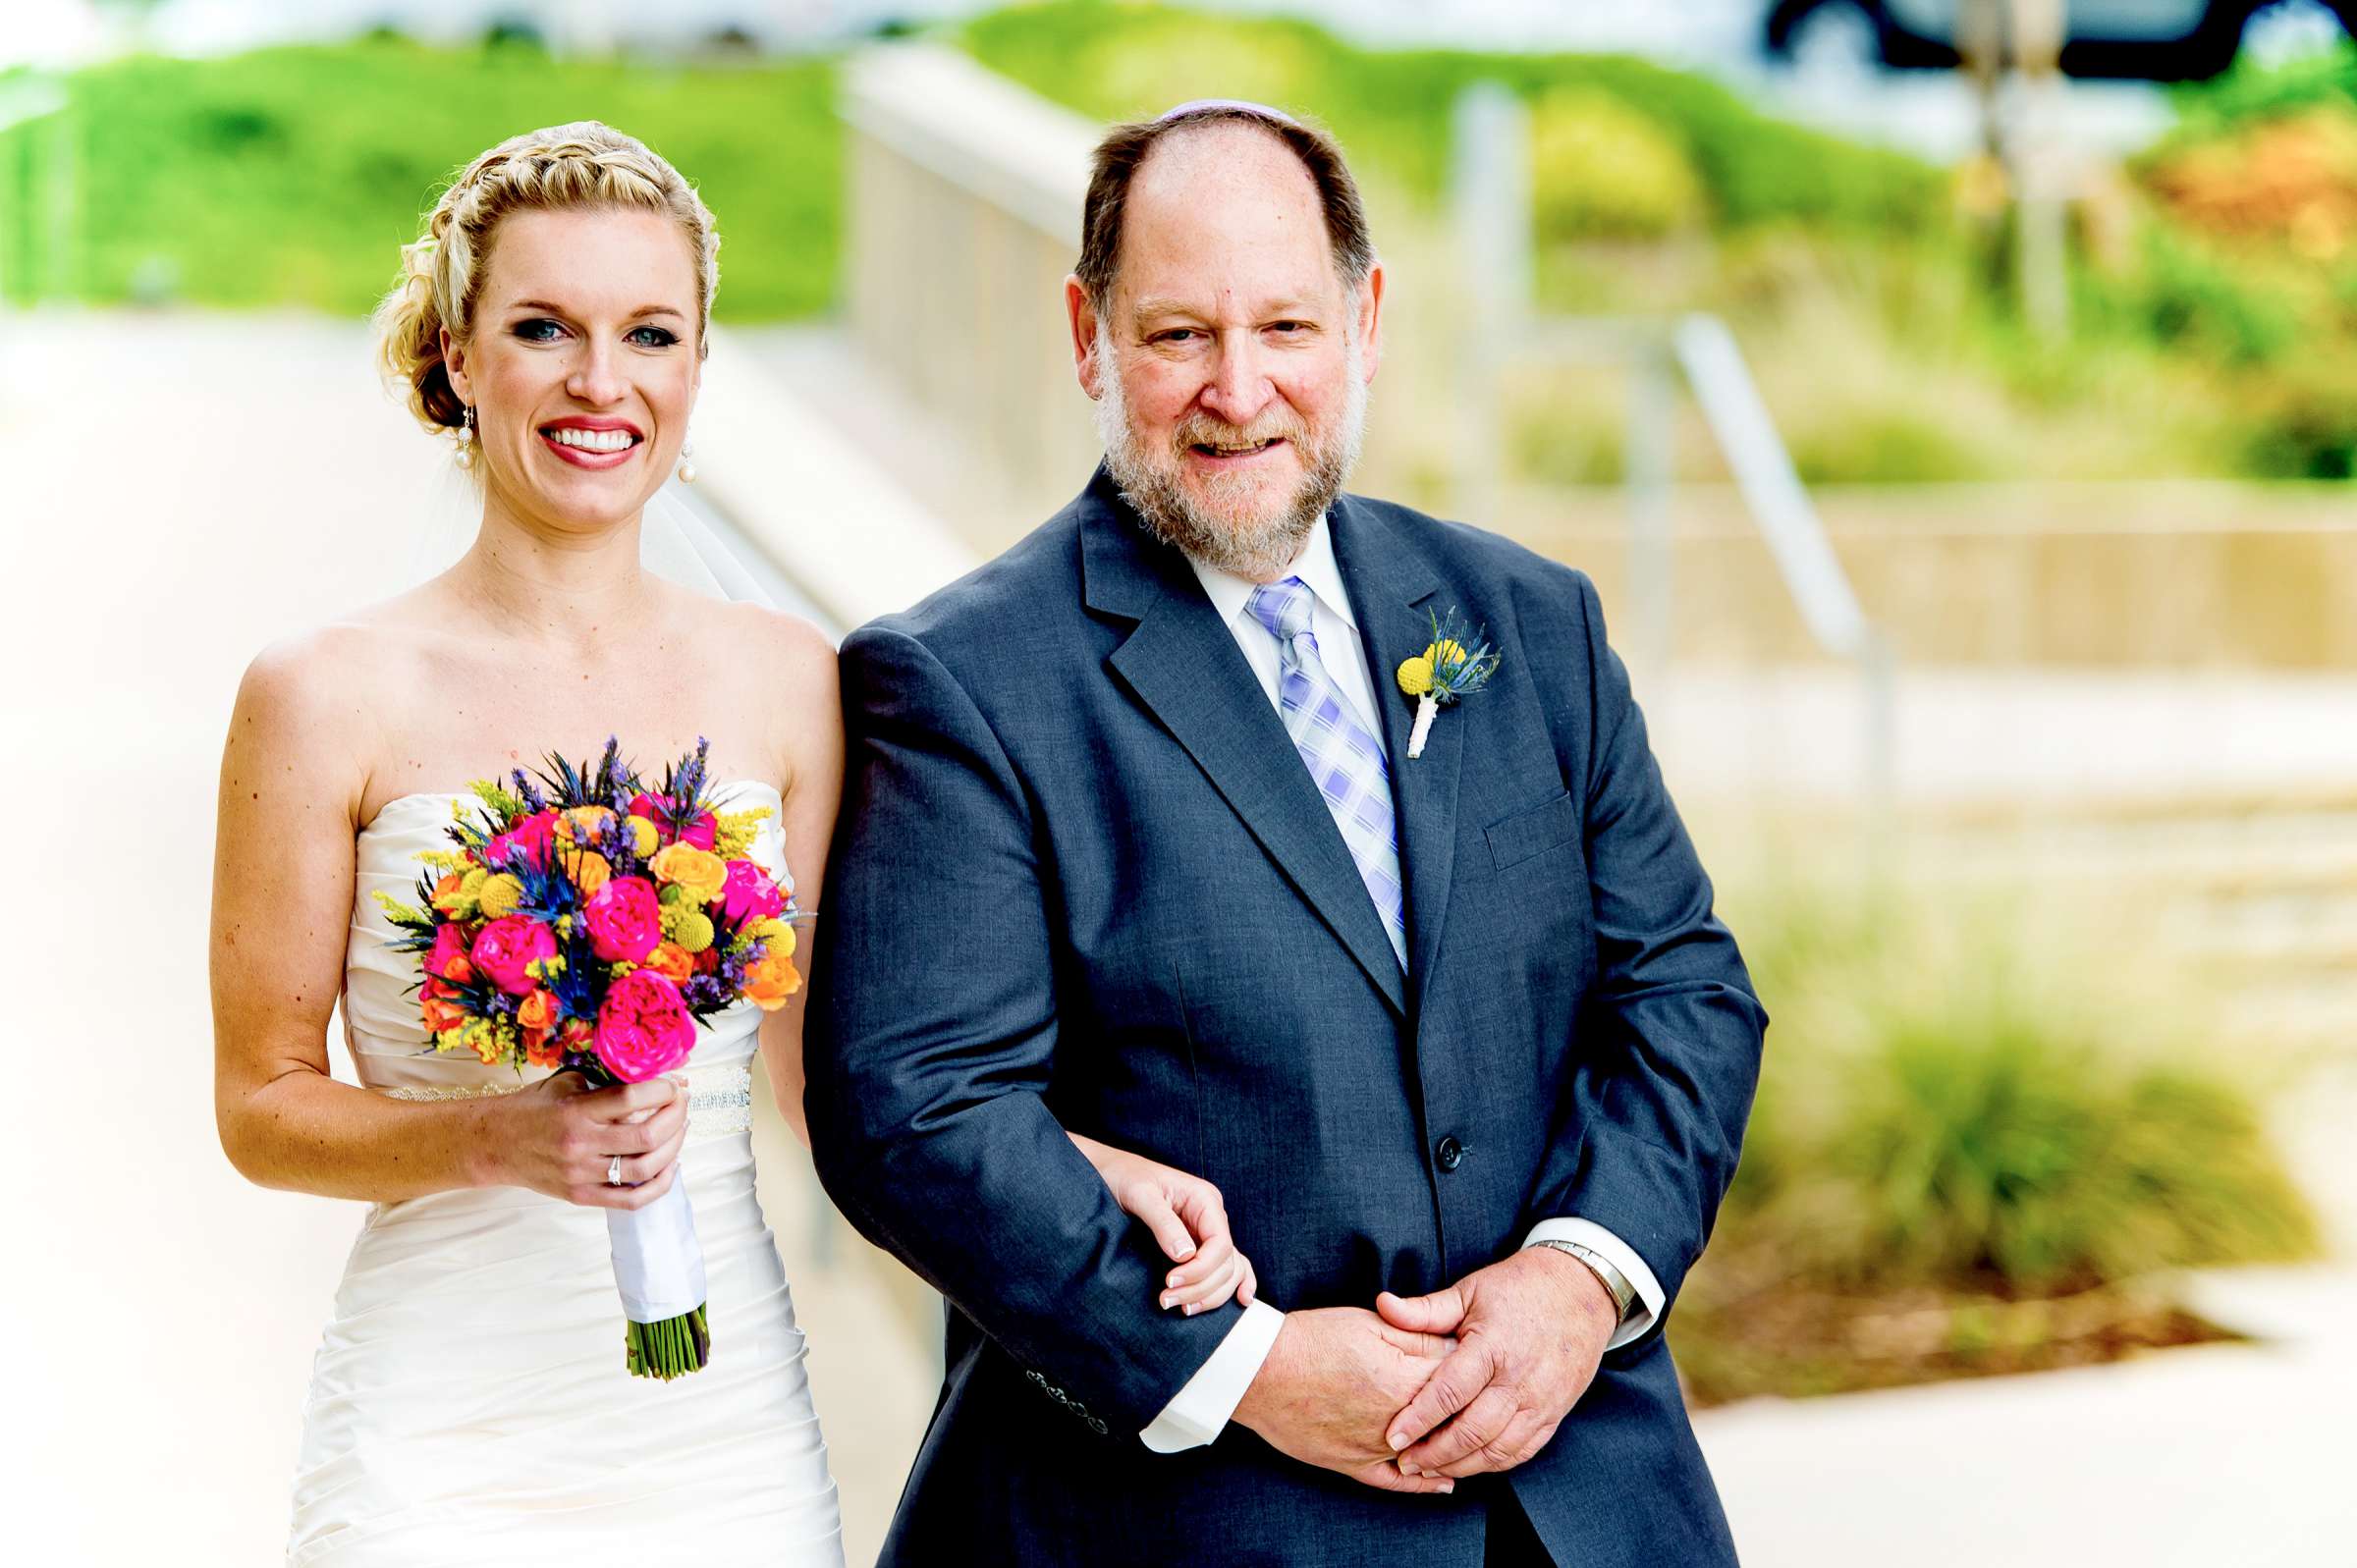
(469, 1401)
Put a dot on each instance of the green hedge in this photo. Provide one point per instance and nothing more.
(1390, 108)
(293, 176)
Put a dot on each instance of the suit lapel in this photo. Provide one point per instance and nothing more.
(1184, 666)
(1389, 587)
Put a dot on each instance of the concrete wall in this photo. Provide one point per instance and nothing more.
(963, 219)
(2177, 576)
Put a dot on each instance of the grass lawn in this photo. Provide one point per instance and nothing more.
(293, 176)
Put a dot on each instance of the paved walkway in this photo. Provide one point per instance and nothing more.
(182, 489)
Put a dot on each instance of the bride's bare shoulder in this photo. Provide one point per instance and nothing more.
(345, 660)
(310, 705)
(779, 669)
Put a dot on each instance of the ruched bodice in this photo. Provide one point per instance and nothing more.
(468, 1402)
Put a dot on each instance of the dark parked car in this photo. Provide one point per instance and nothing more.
(2150, 40)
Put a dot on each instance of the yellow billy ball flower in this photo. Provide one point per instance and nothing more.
(470, 886)
(644, 837)
(1446, 652)
(500, 895)
(1415, 676)
(695, 931)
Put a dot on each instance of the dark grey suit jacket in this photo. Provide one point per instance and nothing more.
(1083, 881)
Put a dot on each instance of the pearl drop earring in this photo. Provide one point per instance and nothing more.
(466, 439)
(687, 468)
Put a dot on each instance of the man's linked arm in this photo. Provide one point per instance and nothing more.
(933, 1035)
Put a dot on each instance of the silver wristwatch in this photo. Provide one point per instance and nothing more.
(1625, 1294)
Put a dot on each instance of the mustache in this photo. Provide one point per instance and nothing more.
(1203, 430)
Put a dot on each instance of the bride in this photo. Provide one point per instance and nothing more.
(469, 1403)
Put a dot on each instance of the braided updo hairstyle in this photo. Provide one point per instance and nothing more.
(563, 168)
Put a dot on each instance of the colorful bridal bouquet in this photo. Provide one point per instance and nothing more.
(584, 921)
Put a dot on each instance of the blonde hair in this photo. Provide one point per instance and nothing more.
(563, 168)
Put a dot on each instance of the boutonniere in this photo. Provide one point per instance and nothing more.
(1441, 674)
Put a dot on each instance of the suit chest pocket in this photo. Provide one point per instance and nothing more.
(1532, 833)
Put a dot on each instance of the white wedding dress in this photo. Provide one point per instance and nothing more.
(469, 1404)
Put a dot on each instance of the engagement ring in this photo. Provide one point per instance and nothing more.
(614, 1171)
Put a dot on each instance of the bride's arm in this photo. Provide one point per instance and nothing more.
(282, 881)
(812, 767)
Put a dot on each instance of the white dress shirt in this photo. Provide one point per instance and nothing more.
(1198, 1412)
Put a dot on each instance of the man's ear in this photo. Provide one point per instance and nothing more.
(1370, 321)
(1082, 317)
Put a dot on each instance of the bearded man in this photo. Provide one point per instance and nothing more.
(1186, 827)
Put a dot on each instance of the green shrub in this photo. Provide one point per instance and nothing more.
(1392, 108)
(2250, 90)
(1599, 169)
(293, 176)
(1882, 446)
(1950, 1101)
(2302, 423)
(2190, 299)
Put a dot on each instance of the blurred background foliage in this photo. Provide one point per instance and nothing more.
(1980, 1145)
(293, 176)
(2216, 290)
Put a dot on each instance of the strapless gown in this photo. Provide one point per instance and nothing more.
(468, 1402)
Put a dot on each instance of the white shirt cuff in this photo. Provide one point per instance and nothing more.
(1642, 1312)
(1198, 1412)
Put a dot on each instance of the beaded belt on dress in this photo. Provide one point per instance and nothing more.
(720, 1100)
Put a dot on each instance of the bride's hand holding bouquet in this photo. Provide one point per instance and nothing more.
(584, 922)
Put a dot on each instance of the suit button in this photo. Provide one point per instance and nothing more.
(1449, 1154)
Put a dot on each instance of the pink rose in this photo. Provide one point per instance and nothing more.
(700, 834)
(506, 945)
(531, 835)
(450, 947)
(625, 919)
(750, 894)
(643, 1029)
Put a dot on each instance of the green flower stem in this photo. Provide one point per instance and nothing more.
(671, 1348)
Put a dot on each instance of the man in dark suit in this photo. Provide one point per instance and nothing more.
(1135, 844)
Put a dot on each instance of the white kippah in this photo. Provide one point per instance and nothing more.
(1238, 105)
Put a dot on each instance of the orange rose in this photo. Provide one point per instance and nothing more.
(588, 869)
(537, 1010)
(440, 1011)
(771, 981)
(581, 823)
(540, 1050)
(671, 960)
(446, 891)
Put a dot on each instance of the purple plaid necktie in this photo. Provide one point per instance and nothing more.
(1343, 758)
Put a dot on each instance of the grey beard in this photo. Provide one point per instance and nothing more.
(1256, 547)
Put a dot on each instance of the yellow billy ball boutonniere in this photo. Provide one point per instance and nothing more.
(1447, 670)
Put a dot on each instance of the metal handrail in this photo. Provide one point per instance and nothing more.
(1491, 200)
